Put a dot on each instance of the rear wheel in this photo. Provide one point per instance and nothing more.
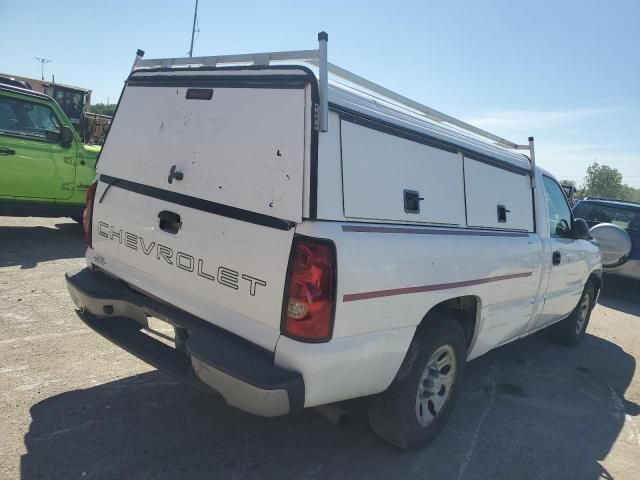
(572, 329)
(417, 405)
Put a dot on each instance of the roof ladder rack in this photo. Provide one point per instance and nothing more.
(316, 57)
(319, 57)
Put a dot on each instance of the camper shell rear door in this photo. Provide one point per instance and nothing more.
(202, 179)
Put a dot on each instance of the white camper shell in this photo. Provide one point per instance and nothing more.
(303, 229)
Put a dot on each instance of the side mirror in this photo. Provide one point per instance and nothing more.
(580, 229)
(66, 137)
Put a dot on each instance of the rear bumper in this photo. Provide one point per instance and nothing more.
(630, 269)
(209, 357)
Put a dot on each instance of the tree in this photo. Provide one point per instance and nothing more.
(103, 108)
(603, 181)
(631, 194)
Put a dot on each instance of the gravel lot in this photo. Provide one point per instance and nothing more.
(74, 406)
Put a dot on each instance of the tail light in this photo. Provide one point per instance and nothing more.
(88, 213)
(310, 291)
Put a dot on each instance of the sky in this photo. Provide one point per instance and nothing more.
(566, 72)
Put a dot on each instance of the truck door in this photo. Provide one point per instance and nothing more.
(33, 163)
(566, 260)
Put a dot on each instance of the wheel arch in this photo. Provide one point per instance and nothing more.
(596, 279)
(464, 309)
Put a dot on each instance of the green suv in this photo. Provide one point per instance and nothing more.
(45, 169)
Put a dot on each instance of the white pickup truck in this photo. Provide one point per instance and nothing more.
(313, 237)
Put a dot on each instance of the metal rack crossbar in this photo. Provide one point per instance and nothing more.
(319, 58)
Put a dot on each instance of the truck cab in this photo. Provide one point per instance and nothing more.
(45, 169)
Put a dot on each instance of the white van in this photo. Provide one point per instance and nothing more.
(313, 237)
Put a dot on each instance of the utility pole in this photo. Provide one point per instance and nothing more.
(42, 62)
(193, 28)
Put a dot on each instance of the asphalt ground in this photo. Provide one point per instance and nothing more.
(72, 405)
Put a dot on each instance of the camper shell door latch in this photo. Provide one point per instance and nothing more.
(174, 175)
(412, 201)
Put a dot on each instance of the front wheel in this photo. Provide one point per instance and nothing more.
(572, 329)
(417, 405)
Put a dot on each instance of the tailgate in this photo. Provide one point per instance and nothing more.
(202, 180)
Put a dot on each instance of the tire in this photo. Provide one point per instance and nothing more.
(572, 329)
(397, 414)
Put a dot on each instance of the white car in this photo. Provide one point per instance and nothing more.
(313, 237)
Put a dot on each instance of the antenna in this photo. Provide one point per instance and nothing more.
(42, 62)
(193, 28)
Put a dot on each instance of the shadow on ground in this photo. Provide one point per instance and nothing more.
(621, 294)
(529, 410)
(27, 246)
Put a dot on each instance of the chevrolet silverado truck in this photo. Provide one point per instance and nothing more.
(313, 237)
(45, 169)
